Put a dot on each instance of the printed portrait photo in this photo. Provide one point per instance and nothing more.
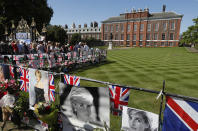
(85, 108)
(138, 120)
(4, 72)
(39, 87)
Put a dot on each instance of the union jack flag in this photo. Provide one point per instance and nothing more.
(52, 88)
(11, 68)
(119, 97)
(43, 124)
(180, 115)
(71, 80)
(16, 58)
(24, 79)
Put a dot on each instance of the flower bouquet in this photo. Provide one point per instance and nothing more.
(4, 86)
(47, 113)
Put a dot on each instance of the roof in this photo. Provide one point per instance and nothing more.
(160, 15)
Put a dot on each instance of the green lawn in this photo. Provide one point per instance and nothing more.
(147, 68)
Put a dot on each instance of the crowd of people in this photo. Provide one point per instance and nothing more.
(19, 47)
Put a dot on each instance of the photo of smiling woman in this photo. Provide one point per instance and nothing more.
(139, 120)
(39, 87)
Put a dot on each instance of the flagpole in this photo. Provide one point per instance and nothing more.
(161, 104)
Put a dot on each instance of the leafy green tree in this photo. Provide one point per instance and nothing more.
(15, 9)
(76, 38)
(56, 34)
(191, 35)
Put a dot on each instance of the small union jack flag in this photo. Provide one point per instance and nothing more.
(16, 58)
(43, 124)
(52, 88)
(24, 79)
(11, 68)
(71, 80)
(119, 97)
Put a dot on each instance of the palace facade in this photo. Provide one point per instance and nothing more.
(143, 29)
(85, 32)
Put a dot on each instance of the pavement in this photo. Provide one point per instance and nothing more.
(191, 49)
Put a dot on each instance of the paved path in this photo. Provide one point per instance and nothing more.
(191, 49)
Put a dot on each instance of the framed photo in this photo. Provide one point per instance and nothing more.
(85, 108)
(138, 120)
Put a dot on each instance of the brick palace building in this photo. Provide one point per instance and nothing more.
(143, 29)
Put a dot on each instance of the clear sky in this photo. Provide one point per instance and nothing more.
(86, 11)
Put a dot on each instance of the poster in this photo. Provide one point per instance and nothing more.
(39, 87)
(4, 72)
(138, 120)
(84, 108)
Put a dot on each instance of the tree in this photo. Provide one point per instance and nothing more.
(56, 34)
(15, 9)
(76, 38)
(191, 35)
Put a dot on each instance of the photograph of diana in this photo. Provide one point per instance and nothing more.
(138, 120)
(86, 108)
(39, 87)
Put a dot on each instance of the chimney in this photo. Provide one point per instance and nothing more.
(164, 8)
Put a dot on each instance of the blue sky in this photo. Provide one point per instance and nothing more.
(86, 11)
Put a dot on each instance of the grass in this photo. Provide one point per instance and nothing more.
(147, 68)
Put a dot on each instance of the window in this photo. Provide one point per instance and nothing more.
(134, 43)
(141, 36)
(162, 44)
(122, 36)
(164, 26)
(141, 27)
(122, 28)
(170, 43)
(156, 26)
(134, 37)
(155, 44)
(111, 28)
(140, 43)
(105, 37)
(148, 36)
(147, 44)
(149, 27)
(116, 37)
(128, 37)
(98, 36)
(171, 36)
(135, 27)
(163, 36)
(106, 28)
(128, 28)
(155, 36)
(172, 25)
(116, 28)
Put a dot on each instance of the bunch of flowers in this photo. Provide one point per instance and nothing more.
(44, 108)
(8, 84)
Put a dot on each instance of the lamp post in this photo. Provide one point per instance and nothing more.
(33, 25)
(6, 33)
(13, 30)
(44, 31)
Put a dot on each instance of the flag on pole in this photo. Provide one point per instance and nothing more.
(71, 80)
(180, 115)
(52, 88)
(24, 79)
(11, 68)
(119, 97)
